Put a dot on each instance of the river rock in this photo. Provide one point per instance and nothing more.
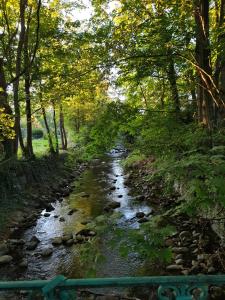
(23, 263)
(86, 232)
(55, 216)
(143, 220)
(79, 239)
(61, 219)
(66, 237)
(72, 211)
(113, 188)
(32, 244)
(174, 268)
(46, 252)
(47, 214)
(3, 249)
(57, 241)
(69, 242)
(184, 234)
(211, 270)
(179, 250)
(179, 256)
(185, 272)
(112, 205)
(120, 196)
(140, 214)
(49, 208)
(5, 259)
(179, 261)
(140, 198)
(201, 257)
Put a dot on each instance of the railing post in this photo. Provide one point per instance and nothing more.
(182, 292)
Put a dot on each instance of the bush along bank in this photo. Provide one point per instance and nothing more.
(29, 187)
(188, 228)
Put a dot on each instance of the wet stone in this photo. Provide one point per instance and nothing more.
(5, 259)
(23, 263)
(61, 219)
(47, 214)
(143, 220)
(174, 268)
(140, 214)
(47, 252)
(57, 241)
(3, 249)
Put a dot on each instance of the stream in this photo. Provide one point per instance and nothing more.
(101, 183)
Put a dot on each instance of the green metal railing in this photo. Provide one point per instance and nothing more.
(169, 287)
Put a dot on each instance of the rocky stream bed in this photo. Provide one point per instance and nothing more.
(46, 237)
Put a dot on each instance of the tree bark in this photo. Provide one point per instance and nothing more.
(62, 129)
(204, 93)
(55, 129)
(18, 132)
(27, 78)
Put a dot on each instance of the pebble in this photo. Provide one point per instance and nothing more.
(179, 261)
(174, 268)
(180, 250)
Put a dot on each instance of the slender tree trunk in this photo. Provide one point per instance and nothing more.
(18, 132)
(50, 142)
(62, 129)
(55, 129)
(172, 77)
(27, 78)
(7, 143)
(204, 93)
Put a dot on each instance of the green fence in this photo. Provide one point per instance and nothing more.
(169, 287)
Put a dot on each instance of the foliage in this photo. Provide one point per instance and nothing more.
(37, 133)
(6, 126)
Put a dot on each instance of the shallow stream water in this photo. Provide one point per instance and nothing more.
(98, 183)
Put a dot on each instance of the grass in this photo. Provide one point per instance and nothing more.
(40, 147)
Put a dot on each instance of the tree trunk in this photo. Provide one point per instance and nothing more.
(18, 132)
(50, 142)
(205, 89)
(27, 78)
(62, 129)
(219, 74)
(55, 129)
(7, 143)
(173, 84)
